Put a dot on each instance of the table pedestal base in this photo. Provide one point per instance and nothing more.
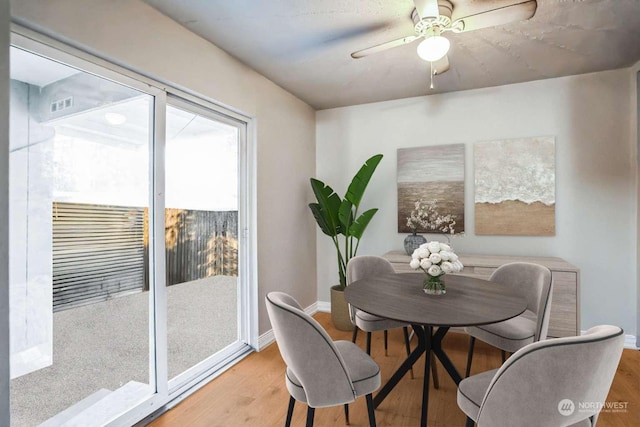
(427, 342)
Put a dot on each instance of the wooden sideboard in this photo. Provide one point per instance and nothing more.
(565, 301)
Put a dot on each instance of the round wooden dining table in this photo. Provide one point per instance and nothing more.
(468, 302)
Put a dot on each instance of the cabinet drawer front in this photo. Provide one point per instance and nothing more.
(564, 315)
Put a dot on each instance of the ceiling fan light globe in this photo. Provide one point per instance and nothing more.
(433, 48)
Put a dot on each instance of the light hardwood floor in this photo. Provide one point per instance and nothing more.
(252, 393)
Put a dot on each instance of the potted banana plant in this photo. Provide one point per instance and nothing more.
(337, 217)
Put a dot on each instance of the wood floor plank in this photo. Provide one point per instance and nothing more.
(253, 393)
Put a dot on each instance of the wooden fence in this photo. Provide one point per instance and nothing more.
(100, 252)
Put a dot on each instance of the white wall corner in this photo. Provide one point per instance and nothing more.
(635, 143)
(266, 339)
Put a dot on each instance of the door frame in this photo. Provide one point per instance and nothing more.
(168, 394)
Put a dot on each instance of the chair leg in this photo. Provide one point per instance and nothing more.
(470, 422)
(386, 353)
(292, 402)
(369, 343)
(470, 356)
(372, 415)
(346, 413)
(504, 356)
(434, 372)
(310, 413)
(355, 334)
(405, 331)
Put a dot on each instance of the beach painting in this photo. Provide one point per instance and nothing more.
(427, 174)
(515, 184)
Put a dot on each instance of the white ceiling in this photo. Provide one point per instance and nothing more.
(36, 70)
(305, 46)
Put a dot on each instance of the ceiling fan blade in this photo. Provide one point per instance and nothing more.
(427, 8)
(440, 66)
(384, 46)
(501, 12)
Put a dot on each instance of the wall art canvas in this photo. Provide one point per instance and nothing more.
(435, 176)
(515, 185)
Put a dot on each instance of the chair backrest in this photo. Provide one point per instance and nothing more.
(309, 352)
(556, 382)
(533, 282)
(360, 267)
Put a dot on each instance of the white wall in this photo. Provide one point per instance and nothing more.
(4, 214)
(589, 115)
(635, 133)
(136, 35)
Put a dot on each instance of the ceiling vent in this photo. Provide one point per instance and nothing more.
(61, 104)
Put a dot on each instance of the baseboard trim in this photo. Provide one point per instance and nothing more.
(266, 339)
(630, 342)
(324, 306)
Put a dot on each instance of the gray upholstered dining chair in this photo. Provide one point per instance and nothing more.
(361, 267)
(557, 382)
(532, 282)
(320, 372)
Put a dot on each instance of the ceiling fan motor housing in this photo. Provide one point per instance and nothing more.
(428, 25)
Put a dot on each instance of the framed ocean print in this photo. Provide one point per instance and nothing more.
(432, 179)
(515, 187)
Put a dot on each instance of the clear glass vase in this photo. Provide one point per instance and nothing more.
(434, 285)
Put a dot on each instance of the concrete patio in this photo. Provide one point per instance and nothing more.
(106, 345)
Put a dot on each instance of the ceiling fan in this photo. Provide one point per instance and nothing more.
(432, 18)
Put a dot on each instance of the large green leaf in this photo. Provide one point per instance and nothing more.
(321, 220)
(359, 225)
(361, 180)
(345, 215)
(327, 207)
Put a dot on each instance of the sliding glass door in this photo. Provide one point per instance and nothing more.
(202, 159)
(79, 190)
(130, 229)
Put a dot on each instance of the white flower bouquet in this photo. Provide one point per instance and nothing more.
(435, 259)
